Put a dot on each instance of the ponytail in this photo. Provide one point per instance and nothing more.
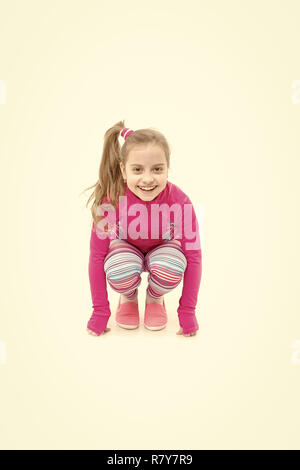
(110, 181)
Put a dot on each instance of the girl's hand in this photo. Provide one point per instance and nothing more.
(90, 332)
(180, 332)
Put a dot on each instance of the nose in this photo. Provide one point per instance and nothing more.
(147, 179)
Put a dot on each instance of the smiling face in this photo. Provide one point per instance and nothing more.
(146, 167)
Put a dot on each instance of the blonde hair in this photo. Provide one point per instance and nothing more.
(110, 182)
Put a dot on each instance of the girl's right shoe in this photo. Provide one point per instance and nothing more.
(127, 315)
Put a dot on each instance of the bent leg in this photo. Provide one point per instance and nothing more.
(123, 266)
(166, 265)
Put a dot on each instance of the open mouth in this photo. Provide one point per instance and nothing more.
(147, 190)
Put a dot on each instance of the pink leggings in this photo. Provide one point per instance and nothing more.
(124, 264)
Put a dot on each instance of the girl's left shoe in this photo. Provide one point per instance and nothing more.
(155, 317)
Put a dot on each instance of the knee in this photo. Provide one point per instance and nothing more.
(131, 270)
(172, 265)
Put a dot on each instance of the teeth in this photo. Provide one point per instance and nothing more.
(147, 189)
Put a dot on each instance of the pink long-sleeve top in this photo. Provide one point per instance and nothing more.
(133, 215)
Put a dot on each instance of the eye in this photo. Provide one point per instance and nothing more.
(157, 169)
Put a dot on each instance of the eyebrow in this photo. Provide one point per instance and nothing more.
(137, 164)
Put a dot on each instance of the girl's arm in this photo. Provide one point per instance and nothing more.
(188, 300)
(193, 272)
(101, 308)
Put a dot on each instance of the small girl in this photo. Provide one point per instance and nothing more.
(133, 179)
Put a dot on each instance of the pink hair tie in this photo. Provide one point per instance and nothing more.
(126, 132)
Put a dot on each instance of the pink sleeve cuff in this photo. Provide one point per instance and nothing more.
(97, 323)
(188, 323)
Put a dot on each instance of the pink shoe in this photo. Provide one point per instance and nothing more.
(155, 317)
(127, 315)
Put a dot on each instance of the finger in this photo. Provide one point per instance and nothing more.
(90, 332)
(103, 332)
